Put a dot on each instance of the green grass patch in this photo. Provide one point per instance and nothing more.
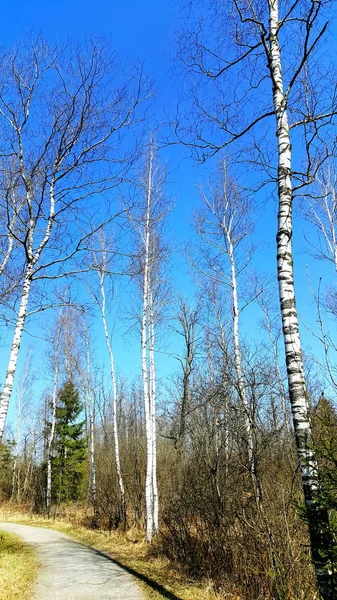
(18, 568)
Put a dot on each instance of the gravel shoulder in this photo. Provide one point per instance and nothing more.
(72, 571)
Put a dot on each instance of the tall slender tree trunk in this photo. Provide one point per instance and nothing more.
(16, 494)
(224, 361)
(56, 347)
(15, 477)
(114, 403)
(145, 331)
(317, 517)
(153, 413)
(91, 410)
(14, 352)
(149, 445)
(51, 439)
(187, 320)
(248, 424)
(147, 407)
(93, 484)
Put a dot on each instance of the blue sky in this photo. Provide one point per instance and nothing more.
(136, 28)
(146, 30)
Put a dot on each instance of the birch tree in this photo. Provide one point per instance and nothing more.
(147, 219)
(9, 269)
(63, 112)
(264, 62)
(51, 433)
(224, 226)
(23, 391)
(147, 341)
(101, 262)
(91, 405)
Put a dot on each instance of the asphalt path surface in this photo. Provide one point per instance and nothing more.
(72, 571)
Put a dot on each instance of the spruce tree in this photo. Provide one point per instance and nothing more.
(325, 433)
(69, 445)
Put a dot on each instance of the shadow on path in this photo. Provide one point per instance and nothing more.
(150, 582)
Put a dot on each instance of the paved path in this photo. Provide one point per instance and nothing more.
(72, 571)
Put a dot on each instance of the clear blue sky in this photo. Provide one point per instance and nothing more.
(145, 30)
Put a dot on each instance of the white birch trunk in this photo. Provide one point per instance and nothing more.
(114, 400)
(148, 429)
(293, 350)
(332, 212)
(21, 394)
(238, 367)
(17, 443)
(92, 453)
(51, 437)
(14, 352)
(226, 407)
(318, 520)
(7, 254)
(10, 236)
(144, 345)
(91, 409)
(153, 413)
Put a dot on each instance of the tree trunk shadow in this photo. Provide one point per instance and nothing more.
(150, 582)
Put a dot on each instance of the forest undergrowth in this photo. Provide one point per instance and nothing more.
(159, 576)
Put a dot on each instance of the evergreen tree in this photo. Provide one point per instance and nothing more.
(69, 445)
(6, 469)
(325, 433)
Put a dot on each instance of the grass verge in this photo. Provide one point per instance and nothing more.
(157, 575)
(18, 567)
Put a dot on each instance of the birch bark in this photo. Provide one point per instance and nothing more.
(317, 518)
(91, 408)
(153, 413)
(146, 219)
(14, 352)
(23, 389)
(52, 430)
(293, 351)
(144, 347)
(114, 393)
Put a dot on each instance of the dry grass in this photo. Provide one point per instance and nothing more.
(158, 576)
(18, 567)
